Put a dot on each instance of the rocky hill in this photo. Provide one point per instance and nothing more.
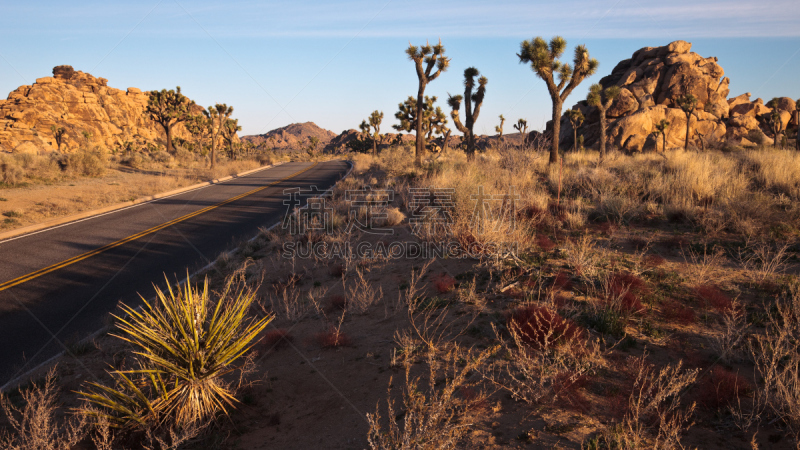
(652, 80)
(80, 103)
(291, 137)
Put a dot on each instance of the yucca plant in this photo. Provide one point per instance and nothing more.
(184, 343)
(167, 108)
(499, 129)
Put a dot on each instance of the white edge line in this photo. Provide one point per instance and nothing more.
(18, 381)
(206, 184)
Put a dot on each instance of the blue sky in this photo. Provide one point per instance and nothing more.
(332, 63)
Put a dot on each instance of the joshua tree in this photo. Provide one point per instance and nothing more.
(544, 60)
(431, 56)
(168, 107)
(58, 133)
(433, 119)
(797, 121)
(521, 126)
(199, 126)
(375, 120)
(602, 100)
(661, 128)
(217, 116)
(471, 112)
(775, 122)
(687, 103)
(576, 118)
(229, 132)
(313, 141)
(499, 129)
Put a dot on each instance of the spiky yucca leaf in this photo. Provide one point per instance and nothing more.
(183, 348)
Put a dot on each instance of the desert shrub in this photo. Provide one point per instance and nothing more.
(540, 327)
(277, 338)
(90, 162)
(10, 172)
(444, 283)
(34, 425)
(656, 416)
(435, 413)
(713, 296)
(674, 311)
(777, 359)
(337, 303)
(185, 342)
(721, 388)
(544, 243)
(332, 338)
(626, 289)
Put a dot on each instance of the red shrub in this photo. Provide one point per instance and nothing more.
(477, 401)
(540, 327)
(674, 311)
(333, 338)
(652, 261)
(712, 295)
(721, 388)
(278, 338)
(444, 283)
(544, 243)
(336, 270)
(562, 281)
(337, 303)
(628, 288)
(567, 391)
(530, 212)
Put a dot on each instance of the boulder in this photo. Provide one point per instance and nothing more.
(624, 104)
(77, 102)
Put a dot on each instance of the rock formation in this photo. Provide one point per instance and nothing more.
(88, 109)
(651, 81)
(291, 137)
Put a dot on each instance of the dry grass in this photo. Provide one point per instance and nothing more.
(44, 187)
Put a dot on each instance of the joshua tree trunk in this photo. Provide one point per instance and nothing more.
(574, 139)
(688, 122)
(602, 133)
(664, 142)
(420, 151)
(168, 131)
(556, 128)
(374, 146)
(444, 143)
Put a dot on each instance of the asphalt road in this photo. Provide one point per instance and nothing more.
(58, 285)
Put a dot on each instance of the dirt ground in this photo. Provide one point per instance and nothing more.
(29, 205)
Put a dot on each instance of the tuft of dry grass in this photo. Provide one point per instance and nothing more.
(35, 424)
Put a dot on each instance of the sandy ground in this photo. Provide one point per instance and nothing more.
(33, 204)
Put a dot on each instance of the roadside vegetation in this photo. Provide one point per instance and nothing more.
(591, 300)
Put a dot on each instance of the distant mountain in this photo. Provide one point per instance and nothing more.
(292, 137)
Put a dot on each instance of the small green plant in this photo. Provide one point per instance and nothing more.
(184, 343)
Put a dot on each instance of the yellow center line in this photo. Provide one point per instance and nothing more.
(97, 251)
